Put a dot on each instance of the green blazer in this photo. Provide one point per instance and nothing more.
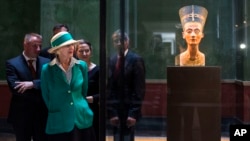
(66, 103)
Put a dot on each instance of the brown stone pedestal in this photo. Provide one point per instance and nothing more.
(193, 104)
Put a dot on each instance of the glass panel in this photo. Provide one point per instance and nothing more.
(126, 92)
(156, 34)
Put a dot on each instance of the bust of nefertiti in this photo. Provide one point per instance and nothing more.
(193, 18)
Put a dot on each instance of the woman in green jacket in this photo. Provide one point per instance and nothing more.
(64, 84)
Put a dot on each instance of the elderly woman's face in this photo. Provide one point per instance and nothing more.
(66, 51)
(193, 33)
(83, 52)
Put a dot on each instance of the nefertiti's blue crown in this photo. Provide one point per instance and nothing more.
(193, 13)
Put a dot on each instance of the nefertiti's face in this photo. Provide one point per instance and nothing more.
(193, 33)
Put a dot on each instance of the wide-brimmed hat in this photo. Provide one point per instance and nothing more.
(61, 39)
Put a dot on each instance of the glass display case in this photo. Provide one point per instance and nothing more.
(155, 34)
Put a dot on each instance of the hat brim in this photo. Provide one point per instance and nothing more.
(53, 49)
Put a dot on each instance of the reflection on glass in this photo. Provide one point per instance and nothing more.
(126, 88)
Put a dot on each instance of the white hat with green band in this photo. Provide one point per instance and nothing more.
(61, 39)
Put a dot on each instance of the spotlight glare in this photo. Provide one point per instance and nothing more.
(242, 46)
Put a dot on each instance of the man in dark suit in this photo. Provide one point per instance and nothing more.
(126, 88)
(27, 113)
(57, 28)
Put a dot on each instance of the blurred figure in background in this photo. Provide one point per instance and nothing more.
(83, 51)
(126, 88)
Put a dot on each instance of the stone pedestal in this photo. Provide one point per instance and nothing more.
(193, 104)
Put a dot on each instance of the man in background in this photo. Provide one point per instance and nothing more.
(27, 113)
(126, 88)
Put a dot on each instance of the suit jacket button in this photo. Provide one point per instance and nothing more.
(71, 103)
(69, 91)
